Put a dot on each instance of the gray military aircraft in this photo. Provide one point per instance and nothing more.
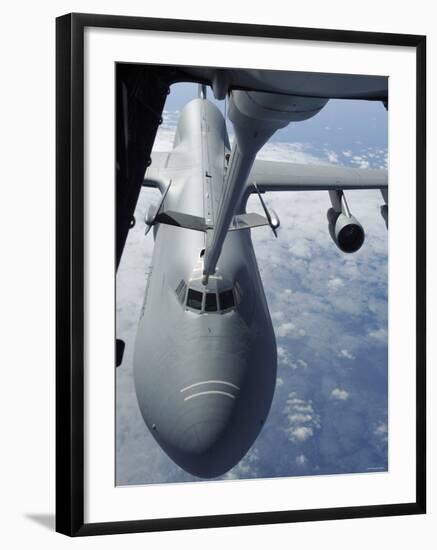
(205, 354)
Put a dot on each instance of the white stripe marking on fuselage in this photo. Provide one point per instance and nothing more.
(211, 391)
(210, 382)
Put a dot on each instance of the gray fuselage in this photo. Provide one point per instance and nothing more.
(205, 356)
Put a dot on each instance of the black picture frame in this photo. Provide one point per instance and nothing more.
(70, 272)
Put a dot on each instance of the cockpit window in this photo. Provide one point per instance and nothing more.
(206, 302)
(211, 301)
(194, 299)
(226, 299)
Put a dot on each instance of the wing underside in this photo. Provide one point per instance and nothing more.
(287, 176)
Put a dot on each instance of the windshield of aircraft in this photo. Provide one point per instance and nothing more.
(205, 301)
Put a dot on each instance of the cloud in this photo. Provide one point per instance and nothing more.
(341, 395)
(300, 433)
(302, 420)
(282, 355)
(332, 156)
(285, 359)
(345, 354)
(300, 153)
(381, 432)
(169, 121)
(277, 315)
(301, 249)
(290, 329)
(335, 284)
(246, 468)
(361, 161)
(379, 334)
(286, 329)
(301, 460)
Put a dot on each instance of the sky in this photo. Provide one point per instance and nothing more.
(329, 312)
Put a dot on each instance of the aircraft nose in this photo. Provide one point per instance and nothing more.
(206, 415)
(201, 436)
(206, 404)
(201, 439)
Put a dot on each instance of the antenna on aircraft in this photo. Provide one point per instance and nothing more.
(202, 91)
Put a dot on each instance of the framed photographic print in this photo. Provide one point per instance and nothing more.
(240, 320)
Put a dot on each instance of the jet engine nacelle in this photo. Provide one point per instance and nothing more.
(346, 231)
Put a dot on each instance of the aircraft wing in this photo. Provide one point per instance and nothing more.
(287, 176)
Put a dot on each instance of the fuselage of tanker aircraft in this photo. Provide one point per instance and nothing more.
(205, 354)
